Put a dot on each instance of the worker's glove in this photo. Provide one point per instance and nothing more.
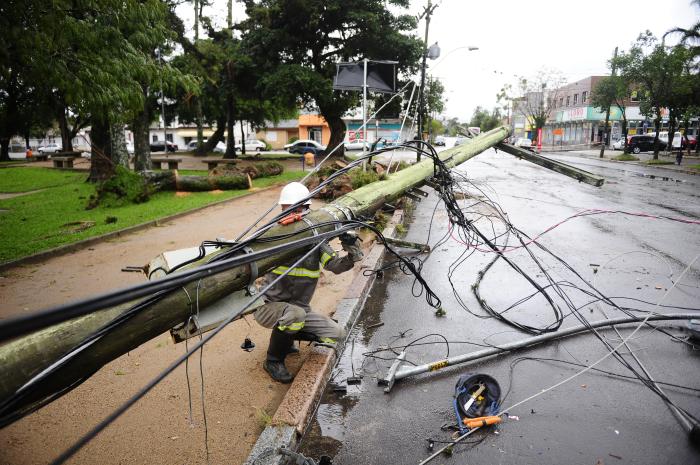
(350, 242)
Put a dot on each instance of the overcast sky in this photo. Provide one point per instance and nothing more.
(517, 37)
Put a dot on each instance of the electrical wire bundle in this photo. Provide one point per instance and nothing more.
(463, 229)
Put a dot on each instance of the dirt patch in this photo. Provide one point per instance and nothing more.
(239, 397)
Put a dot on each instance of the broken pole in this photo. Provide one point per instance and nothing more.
(554, 165)
(25, 357)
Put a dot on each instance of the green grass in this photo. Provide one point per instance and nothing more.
(626, 157)
(48, 219)
(693, 167)
(23, 179)
(659, 162)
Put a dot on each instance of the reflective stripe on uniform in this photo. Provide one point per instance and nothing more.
(299, 272)
(292, 327)
(325, 257)
(327, 340)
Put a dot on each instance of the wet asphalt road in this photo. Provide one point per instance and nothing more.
(592, 419)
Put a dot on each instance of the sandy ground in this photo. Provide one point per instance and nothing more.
(239, 396)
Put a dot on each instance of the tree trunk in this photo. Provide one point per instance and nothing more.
(215, 138)
(338, 128)
(671, 132)
(242, 138)
(230, 126)
(657, 127)
(170, 180)
(101, 165)
(66, 138)
(142, 147)
(606, 133)
(4, 148)
(120, 155)
(200, 127)
(624, 133)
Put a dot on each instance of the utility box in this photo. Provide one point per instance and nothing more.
(205, 318)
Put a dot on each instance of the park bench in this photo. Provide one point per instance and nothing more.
(172, 162)
(39, 156)
(62, 162)
(213, 162)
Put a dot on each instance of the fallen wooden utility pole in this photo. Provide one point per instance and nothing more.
(554, 165)
(45, 351)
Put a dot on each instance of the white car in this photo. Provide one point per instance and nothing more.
(677, 138)
(356, 145)
(619, 144)
(256, 145)
(50, 148)
(524, 143)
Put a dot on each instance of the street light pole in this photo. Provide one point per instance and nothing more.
(162, 102)
(421, 93)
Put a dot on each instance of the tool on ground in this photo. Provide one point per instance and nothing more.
(476, 401)
(248, 345)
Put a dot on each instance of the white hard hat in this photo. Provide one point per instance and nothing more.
(293, 193)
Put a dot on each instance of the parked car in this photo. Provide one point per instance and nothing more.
(677, 138)
(619, 144)
(50, 148)
(356, 145)
(254, 144)
(439, 140)
(692, 142)
(220, 146)
(524, 143)
(304, 146)
(158, 146)
(643, 143)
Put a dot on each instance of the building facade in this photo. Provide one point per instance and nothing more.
(575, 121)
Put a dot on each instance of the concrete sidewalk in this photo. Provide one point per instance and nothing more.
(643, 157)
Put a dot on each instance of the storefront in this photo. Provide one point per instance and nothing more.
(578, 126)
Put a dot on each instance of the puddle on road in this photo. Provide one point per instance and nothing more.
(659, 178)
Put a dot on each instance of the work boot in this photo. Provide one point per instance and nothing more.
(280, 343)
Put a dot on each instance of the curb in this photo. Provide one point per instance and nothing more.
(299, 404)
(68, 248)
(635, 163)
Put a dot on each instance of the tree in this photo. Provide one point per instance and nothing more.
(613, 90)
(484, 119)
(308, 38)
(690, 37)
(93, 56)
(534, 98)
(660, 71)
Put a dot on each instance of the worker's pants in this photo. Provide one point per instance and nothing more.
(291, 319)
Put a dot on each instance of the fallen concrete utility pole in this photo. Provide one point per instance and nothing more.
(22, 360)
(396, 372)
(554, 165)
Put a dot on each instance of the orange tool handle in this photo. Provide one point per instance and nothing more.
(291, 218)
(481, 421)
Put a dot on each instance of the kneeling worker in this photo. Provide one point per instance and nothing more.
(286, 310)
